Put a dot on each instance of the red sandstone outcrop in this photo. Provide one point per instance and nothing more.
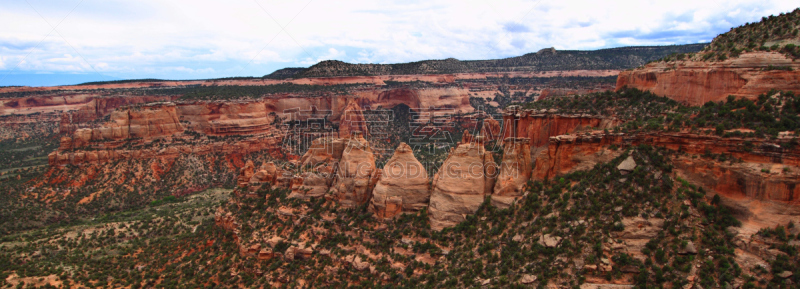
(309, 184)
(403, 185)
(515, 170)
(764, 188)
(697, 82)
(149, 121)
(568, 153)
(539, 126)
(245, 174)
(267, 173)
(491, 129)
(228, 118)
(323, 150)
(356, 173)
(98, 156)
(79, 115)
(352, 120)
(460, 185)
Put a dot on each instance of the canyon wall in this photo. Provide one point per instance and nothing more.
(762, 183)
(149, 121)
(540, 125)
(697, 82)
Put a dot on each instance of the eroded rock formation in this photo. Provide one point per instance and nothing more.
(763, 188)
(697, 82)
(352, 120)
(515, 170)
(403, 185)
(461, 184)
(150, 121)
(356, 172)
(539, 126)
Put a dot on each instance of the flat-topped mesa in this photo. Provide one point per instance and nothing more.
(149, 121)
(540, 125)
(352, 119)
(403, 185)
(356, 174)
(462, 182)
(698, 82)
(515, 170)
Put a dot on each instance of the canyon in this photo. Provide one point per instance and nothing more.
(346, 170)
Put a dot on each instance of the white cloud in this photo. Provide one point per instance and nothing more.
(206, 38)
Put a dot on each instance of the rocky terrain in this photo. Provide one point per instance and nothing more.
(432, 174)
(745, 62)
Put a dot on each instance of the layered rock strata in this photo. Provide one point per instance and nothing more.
(540, 125)
(697, 82)
(149, 121)
(762, 184)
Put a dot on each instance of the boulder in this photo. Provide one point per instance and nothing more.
(267, 173)
(265, 254)
(549, 241)
(627, 165)
(403, 185)
(527, 279)
(689, 249)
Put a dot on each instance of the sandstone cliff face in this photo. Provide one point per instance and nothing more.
(539, 126)
(697, 82)
(352, 120)
(146, 122)
(460, 185)
(228, 118)
(97, 107)
(567, 153)
(515, 169)
(403, 185)
(104, 155)
(764, 188)
(355, 174)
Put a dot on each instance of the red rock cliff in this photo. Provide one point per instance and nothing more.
(539, 126)
(697, 82)
(764, 186)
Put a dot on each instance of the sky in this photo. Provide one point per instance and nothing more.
(55, 42)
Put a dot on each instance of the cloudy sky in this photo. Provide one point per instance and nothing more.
(47, 42)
